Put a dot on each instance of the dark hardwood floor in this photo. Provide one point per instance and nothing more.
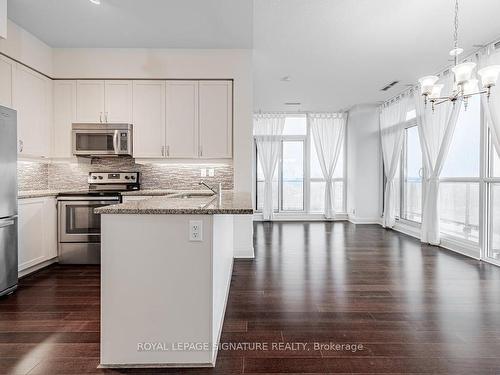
(413, 308)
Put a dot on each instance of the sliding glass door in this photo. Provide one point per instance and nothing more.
(411, 188)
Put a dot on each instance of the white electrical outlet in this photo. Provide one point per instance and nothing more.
(203, 172)
(195, 230)
(211, 172)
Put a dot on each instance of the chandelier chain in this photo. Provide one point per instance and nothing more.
(455, 32)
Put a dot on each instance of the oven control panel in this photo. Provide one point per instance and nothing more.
(113, 177)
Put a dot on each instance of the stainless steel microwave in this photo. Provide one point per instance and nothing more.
(102, 139)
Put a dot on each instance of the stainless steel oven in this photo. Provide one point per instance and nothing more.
(102, 139)
(79, 228)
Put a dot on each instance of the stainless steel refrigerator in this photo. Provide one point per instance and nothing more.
(8, 200)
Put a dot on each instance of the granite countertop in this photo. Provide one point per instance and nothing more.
(159, 192)
(232, 203)
(45, 193)
(163, 192)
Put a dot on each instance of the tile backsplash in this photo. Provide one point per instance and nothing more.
(32, 175)
(73, 176)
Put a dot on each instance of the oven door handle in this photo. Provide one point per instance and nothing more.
(116, 142)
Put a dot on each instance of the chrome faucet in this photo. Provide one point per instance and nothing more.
(217, 191)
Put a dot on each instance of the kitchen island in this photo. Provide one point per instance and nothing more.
(166, 264)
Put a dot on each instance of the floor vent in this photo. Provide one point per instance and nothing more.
(385, 88)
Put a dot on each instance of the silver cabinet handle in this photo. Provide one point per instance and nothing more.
(168, 150)
(21, 145)
(162, 150)
(200, 150)
(100, 117)
(106, 117)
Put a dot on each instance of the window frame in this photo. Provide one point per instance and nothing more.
(306, 213)
(402, 172)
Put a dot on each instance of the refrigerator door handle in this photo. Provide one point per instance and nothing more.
(6, 222)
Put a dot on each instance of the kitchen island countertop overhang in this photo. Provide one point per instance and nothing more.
(231, 203)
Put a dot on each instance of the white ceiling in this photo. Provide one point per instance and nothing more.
(338, 53)
(137, 23)
(342, 52)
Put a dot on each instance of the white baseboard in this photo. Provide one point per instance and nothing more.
(36, 267)
(301, 217)
(245, 256)
(364, 220)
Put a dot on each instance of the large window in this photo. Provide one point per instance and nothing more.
(298, 184)
(411, 187)
(317, 196)
(460, 178)
(493, 187)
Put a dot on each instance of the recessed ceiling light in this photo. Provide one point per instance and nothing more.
(286, 79)
(96, 2)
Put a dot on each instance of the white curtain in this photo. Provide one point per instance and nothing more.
(328, 131)
(491, 106)
(436, 132)
(392, 119)
(268, 129)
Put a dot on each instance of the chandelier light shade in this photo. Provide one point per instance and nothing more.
(427, 84)
(470, 87)
(436, 91)
(489, 75)
(463, 72)
(465, 83)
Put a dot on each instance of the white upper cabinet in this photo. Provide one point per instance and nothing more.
(64, 116)
(32, 100)
(90, 101)
(104, 101)
(118, 101)
(216, 119)
(182, 119)
(6, 73)
(149, 119)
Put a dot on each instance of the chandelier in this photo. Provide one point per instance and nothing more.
(465, 85)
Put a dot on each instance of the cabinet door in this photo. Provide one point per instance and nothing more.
(182, 119)
(48, 124)
(216, 119)
(64, 116)
(6, 74)
(118, 101)
(149, 119)
(90, 101)
(31, 238)
(30, 100)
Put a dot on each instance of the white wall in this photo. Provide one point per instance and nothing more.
(3, 19)
(176, 63)
(363, 165)
(26, 48)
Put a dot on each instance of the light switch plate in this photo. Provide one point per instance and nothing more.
(203, 172)
(211, 172)
(195, 230)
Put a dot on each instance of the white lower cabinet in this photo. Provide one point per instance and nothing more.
(37, 231)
